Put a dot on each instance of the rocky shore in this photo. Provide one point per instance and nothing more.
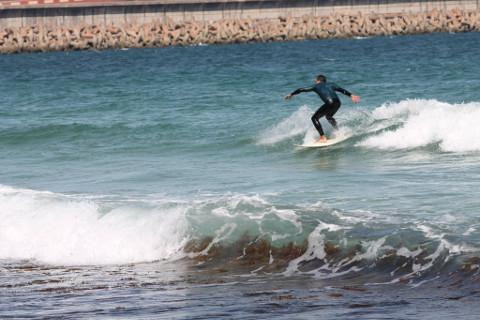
(98, 37)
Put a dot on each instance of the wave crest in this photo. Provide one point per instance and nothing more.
(408, 124)
(454, 127)
(67, 230)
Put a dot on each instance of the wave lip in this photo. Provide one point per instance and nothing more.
(419, 123)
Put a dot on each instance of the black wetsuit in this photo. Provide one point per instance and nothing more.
(326, 92)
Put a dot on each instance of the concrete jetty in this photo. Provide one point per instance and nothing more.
(45, 25)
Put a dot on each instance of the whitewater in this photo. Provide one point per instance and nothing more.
(165, 183)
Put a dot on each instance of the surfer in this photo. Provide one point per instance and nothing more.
(326, 92)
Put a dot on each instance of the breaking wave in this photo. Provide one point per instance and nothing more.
(251, 233)
(424, 122)
(69, 230)
(404, 125)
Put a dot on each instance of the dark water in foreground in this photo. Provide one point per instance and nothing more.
(164, 183)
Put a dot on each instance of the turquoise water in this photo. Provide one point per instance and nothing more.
(114, 163)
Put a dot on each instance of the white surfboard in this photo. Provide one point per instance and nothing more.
(330, 142)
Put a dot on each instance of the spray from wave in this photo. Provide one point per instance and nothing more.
(59, 229)
(454, 127)
(403, 125)
(297, 124)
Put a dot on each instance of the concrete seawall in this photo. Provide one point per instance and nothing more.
(86, 25)
(33, 12)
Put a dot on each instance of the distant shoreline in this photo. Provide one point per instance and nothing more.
(51, 32)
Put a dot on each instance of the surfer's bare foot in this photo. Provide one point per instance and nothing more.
(322, 139)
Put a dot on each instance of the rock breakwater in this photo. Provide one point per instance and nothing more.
(38, 38)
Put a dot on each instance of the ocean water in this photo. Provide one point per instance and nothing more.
(164, 183)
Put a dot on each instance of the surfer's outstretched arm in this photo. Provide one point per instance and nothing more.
(355, 98)
(344, 91)
(300, 90)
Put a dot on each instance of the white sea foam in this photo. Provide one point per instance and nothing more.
(296, 124)
(252, 214)
(372, 249)
(222, 234)
(407, 124)
(454, 127)
(58, 229)
(408, 253)
(469, 231)
(81, 230)
(316, 246)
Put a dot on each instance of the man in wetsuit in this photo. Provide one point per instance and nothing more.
(326, 92)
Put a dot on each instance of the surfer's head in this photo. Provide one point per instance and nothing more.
(320, 78)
